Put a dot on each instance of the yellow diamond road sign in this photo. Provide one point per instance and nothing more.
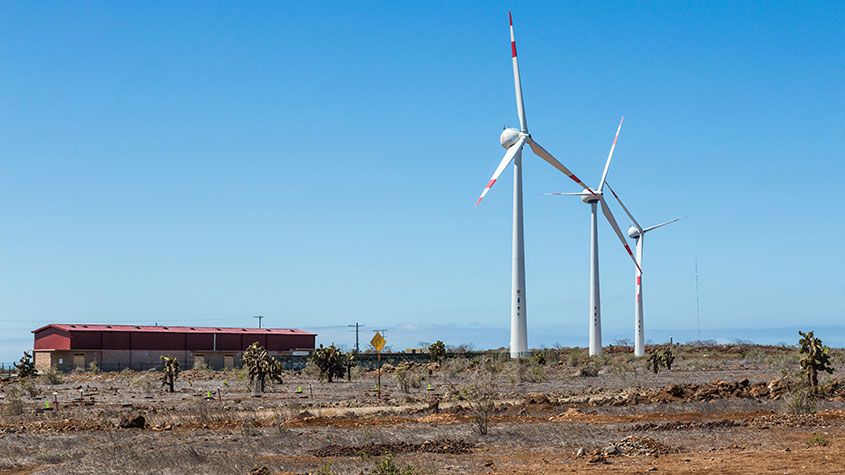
(378, 342)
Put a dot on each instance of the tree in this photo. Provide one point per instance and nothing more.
(815, 357)
(170, 369)
(437, 351)
(26, 367)
(261, 366)
(331, 362)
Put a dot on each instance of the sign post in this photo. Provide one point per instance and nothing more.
(378, 342)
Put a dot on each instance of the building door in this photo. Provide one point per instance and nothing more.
(229, 361)
(199, 361)
(79, 362)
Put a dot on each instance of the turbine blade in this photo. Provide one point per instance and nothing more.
(509, 154)
(651, 228)
(619, 200)
(517, 84)
(610, 155)
(613, 224)
(545, 155)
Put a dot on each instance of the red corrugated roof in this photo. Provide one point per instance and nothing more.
(81, 327)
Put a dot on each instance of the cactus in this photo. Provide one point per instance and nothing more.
(660, 357)
(815, 357)
(331, 362)
(654, 360)
(261, 366)
(437, 351)
(170, 369)
(350, 363)
(667, 357)
(26, 367)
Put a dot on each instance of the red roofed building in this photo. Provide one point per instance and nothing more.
(116, 347)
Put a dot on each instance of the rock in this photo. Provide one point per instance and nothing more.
(260, 471)
(581, 452)
(612, 450)
(129, 422)
(598, 458)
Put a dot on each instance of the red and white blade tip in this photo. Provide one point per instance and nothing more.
(510, 17)
(484, 192)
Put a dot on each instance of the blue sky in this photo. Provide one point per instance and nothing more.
(318, 164)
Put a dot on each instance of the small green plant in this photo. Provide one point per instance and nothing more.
(26, 367)
(261, 366)
(540, 357)
(331, 361)
(387, 466)
(170, 371)
(93, 367)
(437, 351)
(815, 357)
(818, 440)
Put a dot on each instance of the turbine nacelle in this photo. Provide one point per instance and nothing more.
(633, 232)
(590, 196)
(509, 137)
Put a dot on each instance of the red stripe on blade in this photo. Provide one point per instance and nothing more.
(629, 250)
(490, 185)
(510, 18)
(639, 280)
(513, 49)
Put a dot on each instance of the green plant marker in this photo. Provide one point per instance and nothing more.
(46, 404)
(299, 390)
(208, 395)
(429, 388)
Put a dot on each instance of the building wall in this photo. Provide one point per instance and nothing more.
(52, 338)
(116, 360)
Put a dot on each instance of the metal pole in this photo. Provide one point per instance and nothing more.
(259, 317)
(519, 324)
(697, 301)
(595, 298)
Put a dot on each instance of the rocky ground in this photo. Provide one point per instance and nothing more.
(737, 409)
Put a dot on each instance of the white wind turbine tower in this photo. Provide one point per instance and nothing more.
(593, 197)
(637, 233)
(513, 140)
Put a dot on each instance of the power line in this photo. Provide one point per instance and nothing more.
(259, 317)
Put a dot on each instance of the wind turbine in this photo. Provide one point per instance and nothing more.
(637, 233)
(594, 197)
(513, 140)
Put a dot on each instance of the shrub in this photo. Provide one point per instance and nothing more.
(407, 377)
(800, 401)
(387, 466)
(29, 386)
(818, 440)
(14, 404)
(93, 367)
(540, 357)
(53, 376)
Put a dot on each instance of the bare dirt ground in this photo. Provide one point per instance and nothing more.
(720, 410)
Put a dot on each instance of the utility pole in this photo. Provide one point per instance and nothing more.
(357, 327)
(259, 317)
